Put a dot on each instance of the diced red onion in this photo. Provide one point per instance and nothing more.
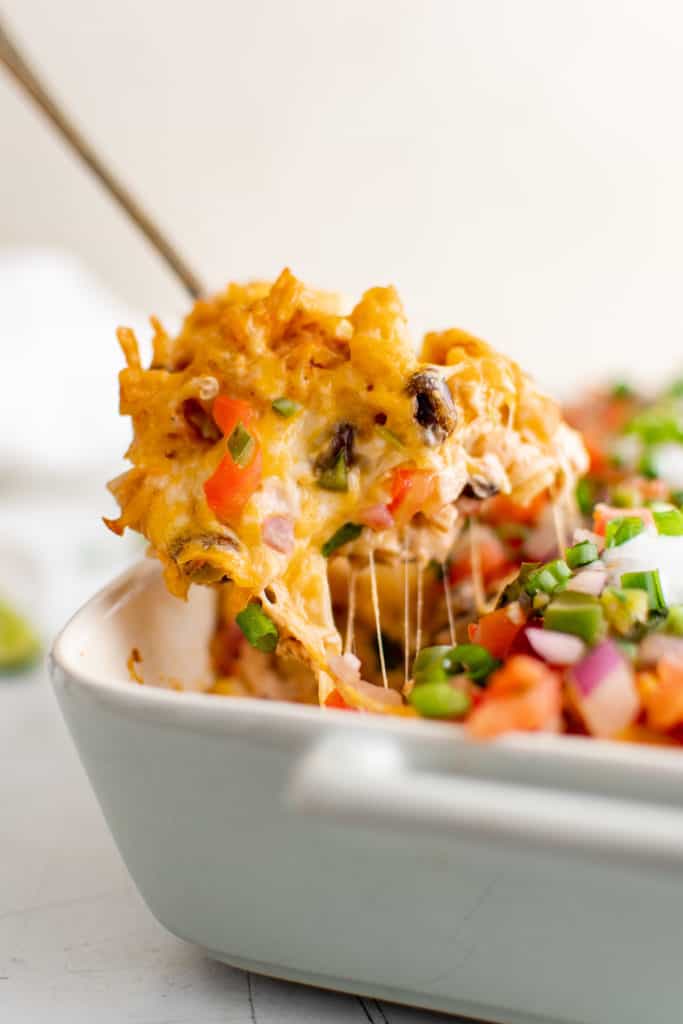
(592, 669)
(605, 690)
(555, 647)
(377, 517)
(659, 645)
(278, 533)
(589, 581)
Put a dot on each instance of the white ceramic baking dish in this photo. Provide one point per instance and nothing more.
(536, 879)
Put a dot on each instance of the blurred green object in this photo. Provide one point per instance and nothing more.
(19, 645)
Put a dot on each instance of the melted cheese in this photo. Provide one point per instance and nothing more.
(258, 343)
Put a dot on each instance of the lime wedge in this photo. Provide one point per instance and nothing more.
(19, 645)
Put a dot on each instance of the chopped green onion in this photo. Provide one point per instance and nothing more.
(674, 620)
(19, 645)
(286, 407)
(517, 588)
(585, 497)
(439, 700)
(390, 437)
(619, 531)
(656, 426)
(677, 498)
(241, 445)
(580, 614)
(580, 554)
(345, 534)
(540, 601)
(430, 666)
(336, 476)
(624, 608)
(549, 577)
(649, 582)
(260, 631)
(669, 522)
(472, 659)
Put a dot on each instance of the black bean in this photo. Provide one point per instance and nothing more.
(434, 406)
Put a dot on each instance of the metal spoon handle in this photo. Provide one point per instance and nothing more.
(18, 67)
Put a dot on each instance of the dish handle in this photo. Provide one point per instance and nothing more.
(369, 782)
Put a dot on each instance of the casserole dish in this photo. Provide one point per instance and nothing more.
(534, 879)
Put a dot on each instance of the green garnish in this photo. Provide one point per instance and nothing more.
(649, 582)
(439, 700)
(19, 645)
(345, 534)
(517, 588)
(285, 407)
(259, 630)
(580, 554)
(619, 531)
(656, 425)
(430, 666)
(676, 389)
(241, 445)
(336, 476)
(674, 620)
(390, 437)
(580, 614)
(549, 577)
(669, 522)
(621, 390)
(472, 659)
(677, 498)
(585, 497)
(624, 608)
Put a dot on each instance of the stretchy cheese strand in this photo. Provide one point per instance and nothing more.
(406, 610)
(449, 606)
(420, 603)
(350, 611)
(378, 623)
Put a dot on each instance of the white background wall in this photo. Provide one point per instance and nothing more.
(514, 167)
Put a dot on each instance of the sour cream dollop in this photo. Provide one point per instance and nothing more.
(649, 550)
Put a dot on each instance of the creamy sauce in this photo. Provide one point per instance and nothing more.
(649, 550)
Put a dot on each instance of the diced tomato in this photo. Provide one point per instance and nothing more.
(502, 509)
(492, 555)
(604, 514)
(231, 486)
(334, 699)
(228, 412)
(525, 694)
(662, 695)
(411, 489)
(498, 630)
